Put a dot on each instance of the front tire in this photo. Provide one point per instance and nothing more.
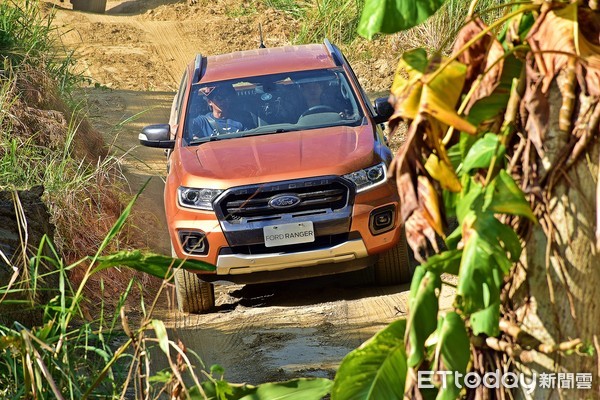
(395, 265)
(193, 294)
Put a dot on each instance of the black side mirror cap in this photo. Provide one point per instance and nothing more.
(158, 135)
(383, 109)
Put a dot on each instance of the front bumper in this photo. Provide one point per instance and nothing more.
(236, 264)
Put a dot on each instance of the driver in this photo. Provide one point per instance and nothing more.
(312, 91)
(316, 99)
(219, 120)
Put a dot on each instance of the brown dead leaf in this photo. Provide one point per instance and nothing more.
(408, 196)
(476, 56)
(564, 40)
(418, 232)
(537, 108)
(556, 34)
(404, 168)
(492, 70)
(422, 225)
(429, 205)
(589, 21)
(433, 132)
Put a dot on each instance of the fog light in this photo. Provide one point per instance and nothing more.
(382, 220)
(194, 243)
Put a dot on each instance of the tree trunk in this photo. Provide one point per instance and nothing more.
(557, 290)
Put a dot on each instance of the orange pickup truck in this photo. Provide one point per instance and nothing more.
(277, 169)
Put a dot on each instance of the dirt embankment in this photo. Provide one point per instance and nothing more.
(135, 53)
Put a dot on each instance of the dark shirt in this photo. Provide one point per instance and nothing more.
(207, 125)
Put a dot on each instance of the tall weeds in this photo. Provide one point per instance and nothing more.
(27, 37)
(336, 20)
(439, 31)
(70, 354)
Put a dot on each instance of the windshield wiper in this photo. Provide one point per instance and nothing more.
(203, 140)
(252, 132)
(270, 132)
(213, 138)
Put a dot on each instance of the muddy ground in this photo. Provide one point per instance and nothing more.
(134, 55)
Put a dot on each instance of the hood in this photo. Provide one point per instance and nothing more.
(281, 156)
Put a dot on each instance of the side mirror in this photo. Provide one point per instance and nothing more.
(383, 109)
(158, 135)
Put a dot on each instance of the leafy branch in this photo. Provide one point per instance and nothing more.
(480, 91)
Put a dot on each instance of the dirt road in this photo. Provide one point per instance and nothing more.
(135, 53)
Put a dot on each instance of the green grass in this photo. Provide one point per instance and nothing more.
(291, 7)
(27, 37)
(335, 20)
(439, 31)
(53, 358)
(66, 352)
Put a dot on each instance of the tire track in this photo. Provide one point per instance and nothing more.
(172, 48)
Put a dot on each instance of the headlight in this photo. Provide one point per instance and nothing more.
(369, 177)
(197, 198)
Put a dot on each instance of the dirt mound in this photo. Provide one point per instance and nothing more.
(122, 49)
(225, 26)
(37, 113)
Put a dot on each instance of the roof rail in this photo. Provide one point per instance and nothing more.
(198, 68)
(334, 51)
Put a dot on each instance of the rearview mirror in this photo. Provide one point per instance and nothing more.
(158, 135)
(383, 109)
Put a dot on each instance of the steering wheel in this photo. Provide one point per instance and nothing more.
(316, 109)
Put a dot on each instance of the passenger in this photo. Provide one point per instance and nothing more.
(219, 120)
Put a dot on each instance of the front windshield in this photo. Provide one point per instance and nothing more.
(270, 104)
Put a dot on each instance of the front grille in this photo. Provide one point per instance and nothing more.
(254, 203)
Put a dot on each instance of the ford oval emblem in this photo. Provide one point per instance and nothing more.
(284, 201)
